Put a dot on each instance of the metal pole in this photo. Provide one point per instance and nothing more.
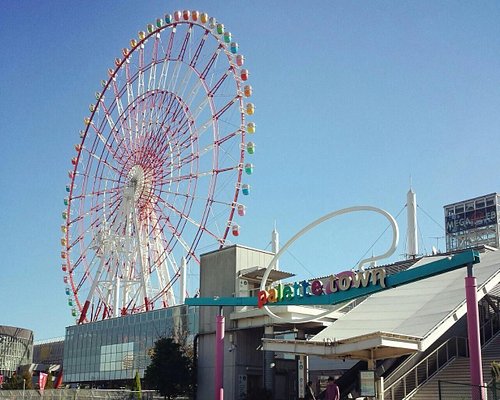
(24, 386)
(476, 368)
(219, 356)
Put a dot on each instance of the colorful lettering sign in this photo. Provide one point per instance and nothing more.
(335, 283)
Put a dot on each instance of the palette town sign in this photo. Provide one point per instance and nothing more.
(342, 282)
(335, 283)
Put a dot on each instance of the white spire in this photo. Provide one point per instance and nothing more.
(411, 208)
(275, 243)
(182, 283)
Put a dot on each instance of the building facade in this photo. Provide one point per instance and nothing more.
(16, 349)
(108, 353)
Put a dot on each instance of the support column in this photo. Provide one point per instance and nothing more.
(269, 365)
(219, 355)
(302, 369)
(476, 368)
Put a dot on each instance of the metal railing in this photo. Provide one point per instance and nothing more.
(426, 368)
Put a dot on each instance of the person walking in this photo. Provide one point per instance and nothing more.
(309, 392)
(332, 391)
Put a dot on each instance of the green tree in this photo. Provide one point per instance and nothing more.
(170, 371)
(137, 386)
(17, 382)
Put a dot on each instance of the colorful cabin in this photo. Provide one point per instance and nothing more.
(244, 74)
(250, 108)
(227, 37)
(245, 188)
(177, 16)
(159, 22)
(63, 242)
(117, 61)
(103, 83)
(235, 229)
(251, 127)
(212, 22)
(78, 147)
(70, 302)
(64, 228)
(73, 312)
(64, 268)
(234, 47)
(168, 18)
(82, 134)
(74, 160)
(86, 120)
(133, 43)
(71, 174)
(247, 90)
(65, 279)
(151, 28)
(142, 35)
(249, 169)
(241, 210)
(97, 95)
(195, 15)
(68, 291)
(68, 188)
(63, 255)
(125, 52)
(204, 18)
(240, 60)
(66, 201)
(65, 214)
(186, 14)
(220, 29)
(91, 108)
(251, 147)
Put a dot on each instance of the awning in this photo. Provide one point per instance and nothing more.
(374, 346)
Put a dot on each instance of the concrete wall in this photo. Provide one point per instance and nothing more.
(219, 277)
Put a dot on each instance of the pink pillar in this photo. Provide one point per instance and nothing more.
(219, 356)
(476, 368)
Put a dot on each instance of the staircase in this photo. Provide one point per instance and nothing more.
(458, 371)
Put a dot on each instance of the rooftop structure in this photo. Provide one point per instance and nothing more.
(473, 222)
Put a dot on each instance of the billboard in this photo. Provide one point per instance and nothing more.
(471, 219)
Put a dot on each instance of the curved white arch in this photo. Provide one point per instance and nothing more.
(389, 252)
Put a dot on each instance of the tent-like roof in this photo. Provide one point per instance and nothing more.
(416, 313)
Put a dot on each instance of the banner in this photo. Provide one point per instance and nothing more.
(42, 381)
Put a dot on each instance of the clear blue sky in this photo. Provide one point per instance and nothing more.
(352, 98)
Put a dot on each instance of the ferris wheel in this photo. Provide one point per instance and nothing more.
(159, 168)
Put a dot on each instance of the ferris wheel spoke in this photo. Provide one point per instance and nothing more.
(187, 195)
(152, 71)
(178, 238)
(140, 78)
(186, 218)
(114, 130)
(197, 53)
(105, 142)
(129, 82)
(182, 51)
(226, 107)
(166, 63)
(219, 83)
(211, 62)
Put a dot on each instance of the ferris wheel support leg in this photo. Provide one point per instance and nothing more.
(140, 259)
(97, 278)
(84, 312)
